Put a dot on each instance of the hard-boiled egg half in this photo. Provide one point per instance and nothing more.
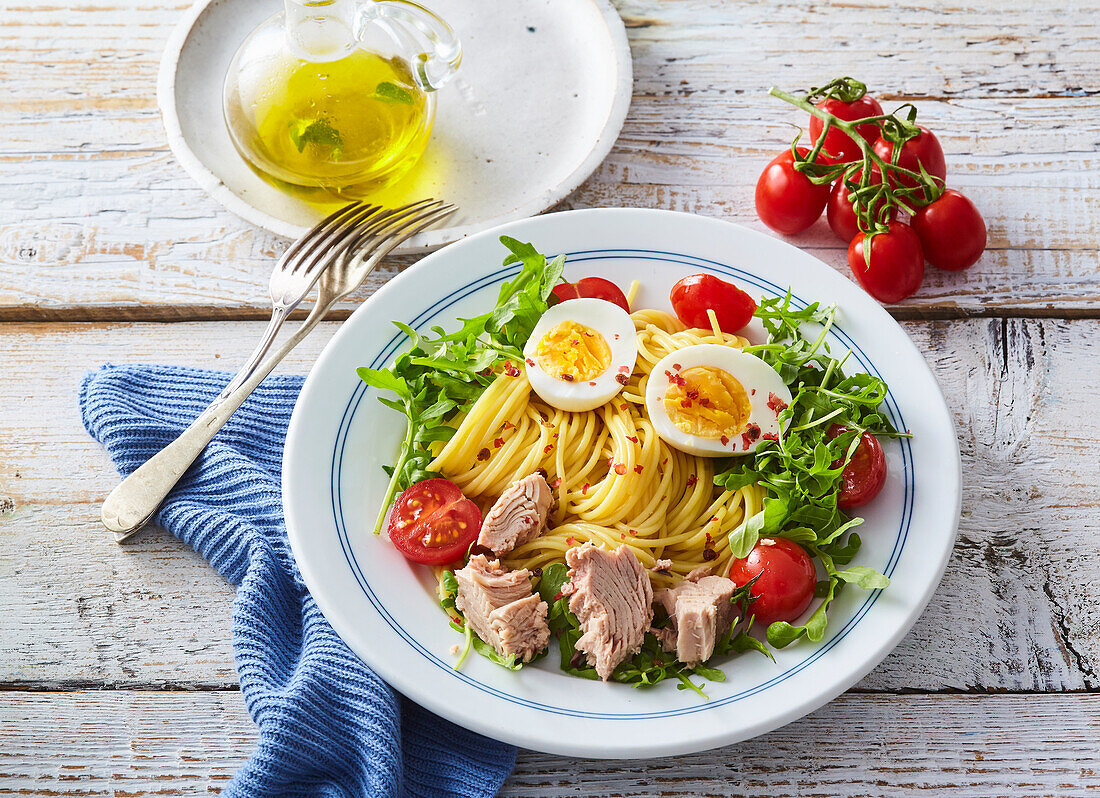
(581, 353)
(714, 401)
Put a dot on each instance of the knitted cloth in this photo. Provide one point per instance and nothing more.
(328, 725)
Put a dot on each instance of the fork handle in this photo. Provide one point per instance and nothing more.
(134, 502)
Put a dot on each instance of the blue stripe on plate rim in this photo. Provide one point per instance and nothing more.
(386, 355)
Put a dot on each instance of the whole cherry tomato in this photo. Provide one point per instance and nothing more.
(897, 263)
(592, 288)
(839, 146)
(865, 474)
(951, 230)
(786, 200)
(842, 215)
(694, 295)
(787, 579)
(433, 523)
(922, 150)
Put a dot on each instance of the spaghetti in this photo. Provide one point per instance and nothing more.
(616, 482)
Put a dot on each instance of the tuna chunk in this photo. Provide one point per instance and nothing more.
(501, 609)
(611, 596)
(699, 611)
(518, 516)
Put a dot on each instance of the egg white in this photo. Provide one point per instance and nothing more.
(760, 381)
(617, 329)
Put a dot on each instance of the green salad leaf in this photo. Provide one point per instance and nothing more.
(443, 373)
(800, 471)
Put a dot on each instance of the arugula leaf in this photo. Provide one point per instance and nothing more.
(442, 373)
(801, 470)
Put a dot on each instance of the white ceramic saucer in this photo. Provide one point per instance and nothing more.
(537, 104)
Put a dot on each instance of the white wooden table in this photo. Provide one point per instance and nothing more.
(116, 671)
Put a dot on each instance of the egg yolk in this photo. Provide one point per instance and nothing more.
(707, 402)
(572, 352)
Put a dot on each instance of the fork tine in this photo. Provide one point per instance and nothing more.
(400, 216)
(319, 229)
(320, 251)
(388, 239)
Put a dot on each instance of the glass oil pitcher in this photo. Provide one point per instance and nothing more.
(336, 97)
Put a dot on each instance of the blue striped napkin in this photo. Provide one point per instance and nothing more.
(328, 725)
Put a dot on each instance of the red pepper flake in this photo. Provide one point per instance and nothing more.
(709, 538)
(616, 336)
(560, 595)
(691, 480)
(498, 443)
(622, 379)
(693, 394)
(510, 369)
(622, 536)
(624, 369)
(507, 426)
(620, 468)
(632, 438)
(529, 362)
(633, 532)
(769, 436)
(639, 468)
(675, 379)
(592, 384)
(664, 462)
(704, 402)
(752, 392)
(483, 454)
(749, 436)
(676, 366)
(571, 540)
(624, 407)
(776, 404)
(568, 377)
(547, 448)
(556, 483)
(725, 440)
(575, 342)
(685, 403)
(584, 490)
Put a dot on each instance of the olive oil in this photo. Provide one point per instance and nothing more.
(357, 122)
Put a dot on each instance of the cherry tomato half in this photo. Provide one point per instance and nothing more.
(787, 579)
(432, 523)
(951, 231)
(865, 473)
(842, 215)
(839, 146)
(694, 295)
(897, 263)
(786, 200)
(592, 288)
(923, 150)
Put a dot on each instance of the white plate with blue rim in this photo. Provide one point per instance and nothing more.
(384, 607)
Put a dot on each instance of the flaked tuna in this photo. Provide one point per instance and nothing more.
(611, 596)
(518, 516)
(500, 607)
(699, 612)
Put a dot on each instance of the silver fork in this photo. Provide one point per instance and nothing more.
(298, 269)
(132, 504)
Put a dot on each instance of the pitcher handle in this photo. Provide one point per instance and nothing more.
(420, 31)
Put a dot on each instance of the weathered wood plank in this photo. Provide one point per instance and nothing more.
(1019, 608)
(101, 223)
(144, 744)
